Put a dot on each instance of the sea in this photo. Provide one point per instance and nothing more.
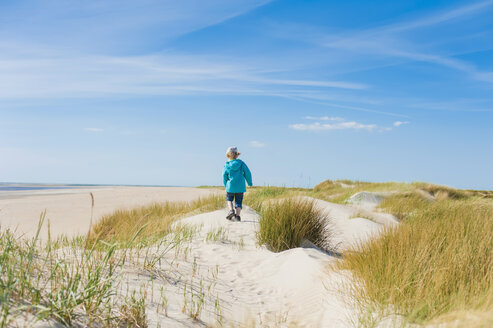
(25, 188)
(15, 186)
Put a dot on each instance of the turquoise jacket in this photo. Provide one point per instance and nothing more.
(235, 173)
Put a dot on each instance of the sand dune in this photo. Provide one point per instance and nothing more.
(256, 286)
(354, 224)
(218, 274)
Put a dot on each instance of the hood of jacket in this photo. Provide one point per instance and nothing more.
(233, 165)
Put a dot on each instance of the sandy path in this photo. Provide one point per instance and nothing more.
(254, 286)
(69, 210)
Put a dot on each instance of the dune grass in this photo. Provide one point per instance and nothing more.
(285, 223)
(339, 191)
(403, 205)
(47, 283)
(286, 218)
(64, 282)
(256, 196)
(152, 221)
(437, 265)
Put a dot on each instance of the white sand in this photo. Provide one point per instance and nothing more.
(259, 288)
(243, 284)
(69, 210)
(352, 225)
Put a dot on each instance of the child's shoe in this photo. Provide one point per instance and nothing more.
(230, 215)
(237, 218)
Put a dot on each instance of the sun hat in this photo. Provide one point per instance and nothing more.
(232, 150)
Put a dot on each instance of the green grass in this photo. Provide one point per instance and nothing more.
(38, 279)
(285, 223)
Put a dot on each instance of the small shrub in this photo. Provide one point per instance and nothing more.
(285, 223)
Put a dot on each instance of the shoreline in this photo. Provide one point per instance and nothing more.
(69, 210)
(9, 190)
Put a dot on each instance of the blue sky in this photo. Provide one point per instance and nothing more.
(153, 92)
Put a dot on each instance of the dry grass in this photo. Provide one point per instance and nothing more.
(436, 267)
(285, 223)
(133, 313)
(151, 222)
(287, 219)
(339, 191)
(403, 205)
(437, 263)
(256, 197)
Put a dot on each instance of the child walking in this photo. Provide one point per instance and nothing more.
(235, 173)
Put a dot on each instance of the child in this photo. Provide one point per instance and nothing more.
(235, 173)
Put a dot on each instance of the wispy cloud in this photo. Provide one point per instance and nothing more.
(257, 144)
(317, 126)
(38, 62)
(341, 124)
(309, 99)
(441, 17)
(94, 129)
(388, 41)
(163, 74)
(113, 26)
(399, 123)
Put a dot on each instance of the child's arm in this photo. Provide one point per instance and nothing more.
(225, 177)
(247, 174)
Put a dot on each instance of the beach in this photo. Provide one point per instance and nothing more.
(69, 210)
(245, 282)
(189, 266)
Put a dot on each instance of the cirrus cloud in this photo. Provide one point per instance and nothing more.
(317, 126)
